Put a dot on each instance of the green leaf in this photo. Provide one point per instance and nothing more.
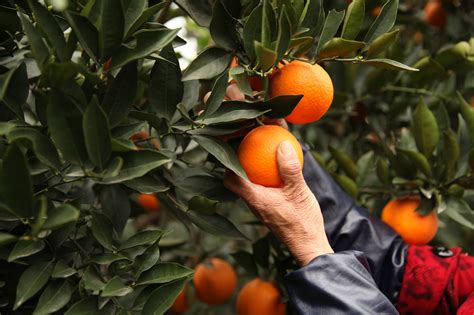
(116, 206)
(199, 10)
(215, 224)
(419, 160)
(467, 113)
(208, 64)
(354, 19)
(232, 111)
(146, 185)
(65, 125)
(142, 238)
(266, 58)
(33, 279)
(114, 167)
(163, 273)
(161, 299)
(62, 270)
(50, 28)
(429, 70)
(312, 17)
(382, 42)
(56, 295)
(115, 287)
(92, 280)
(133, 21)
(123, 145)
(87, 306)
(460, 211)
(60, 216)
(107, 258)
(96, 134)
(389, 64)
(14, 89)
(425, 129)
(384, 21)
(284, 34)
(340, 47)
(344, 161)
(217, 95)
(102, 230)
(25, 248)
(347, 184)
(202, 204)
(6, 238)
(111, 28)
(42, 146)
(246, 261)
(148, 259)
(137, 164)
(15, 183)
(148, 41)
(120, 95)
(132, 10)
(223, 26)
(165, 88)
(252, 31)
(383, 172)
(331, 25)
(37, 45)
(86, 33)
(366, 169)
(452, 152)
(222, 152)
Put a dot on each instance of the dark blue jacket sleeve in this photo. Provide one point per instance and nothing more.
(338, 283)
(372, 265)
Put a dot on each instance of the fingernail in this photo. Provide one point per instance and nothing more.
(286, 148)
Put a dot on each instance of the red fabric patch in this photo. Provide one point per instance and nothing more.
(436, 285)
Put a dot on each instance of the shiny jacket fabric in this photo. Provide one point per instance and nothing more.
(364, 275)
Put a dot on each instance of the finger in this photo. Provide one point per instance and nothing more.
(289, 165)
(233, 93)
(206, 97)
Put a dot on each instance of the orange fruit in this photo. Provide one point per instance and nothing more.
(414, 228)
(376, 10)
(258, 154)
(260, 297)
(214, 281)
(312, 81)
(149, 202)
(435, 15)
(181, 304)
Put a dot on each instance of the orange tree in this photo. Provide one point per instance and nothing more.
(95, 112)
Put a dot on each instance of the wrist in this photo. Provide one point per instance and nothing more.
(305, 256)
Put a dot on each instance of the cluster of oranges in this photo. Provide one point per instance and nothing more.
(215, 281)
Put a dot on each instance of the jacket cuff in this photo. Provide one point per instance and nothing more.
(336, 283)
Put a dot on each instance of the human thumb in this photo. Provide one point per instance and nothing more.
(289, 164)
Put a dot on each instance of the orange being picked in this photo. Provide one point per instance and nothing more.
(258, 154)
(214, 281)
(181, 304)
(149, 202)
(260, 297)
(414, 228)
(435, 15)
(312, 81)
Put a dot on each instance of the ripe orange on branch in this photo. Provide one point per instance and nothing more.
(312, 81)
(413, 227)
(260, 297)
(214, 281)
(435, 15)
(258, 154)
(149, 202)
(181, 304)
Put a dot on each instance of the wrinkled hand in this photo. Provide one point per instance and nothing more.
(291, 212)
